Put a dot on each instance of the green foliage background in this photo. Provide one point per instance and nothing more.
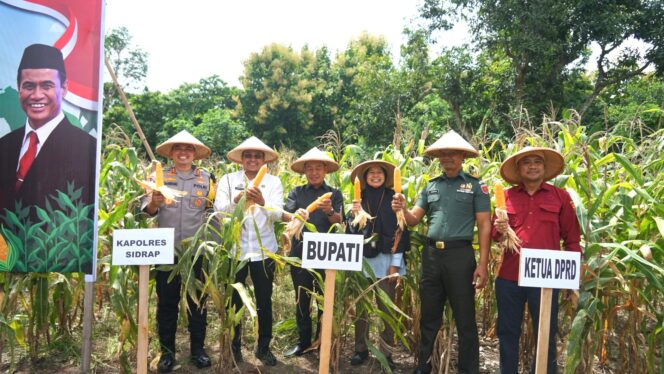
(522, 81)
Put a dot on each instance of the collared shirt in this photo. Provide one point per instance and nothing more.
(301, 197)
(42, 134)
(541, 221)
(451, 204)
(186, 214)
(263, 218)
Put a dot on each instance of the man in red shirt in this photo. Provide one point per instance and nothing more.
(542, 216)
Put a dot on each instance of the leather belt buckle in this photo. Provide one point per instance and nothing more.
(440, 245)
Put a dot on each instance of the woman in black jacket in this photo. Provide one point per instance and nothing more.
(382, 254)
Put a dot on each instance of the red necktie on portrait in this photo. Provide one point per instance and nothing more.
(27, 159)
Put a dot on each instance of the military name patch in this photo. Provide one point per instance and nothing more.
(433, 192)
(465, 188)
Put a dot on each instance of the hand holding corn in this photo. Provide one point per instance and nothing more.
(168, 195)
(295, 226)
(361, 217)
(509, 240)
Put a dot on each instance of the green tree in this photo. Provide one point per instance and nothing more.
(545, 39)
(220, 130)
(456, 72)
(366, 79)
(193, 100)
(280, 85)
(129, 62)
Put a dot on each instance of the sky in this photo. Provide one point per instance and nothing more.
(187, 41)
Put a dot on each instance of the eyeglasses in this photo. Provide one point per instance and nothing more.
(257, 155)
(448, 153)
(186, 148)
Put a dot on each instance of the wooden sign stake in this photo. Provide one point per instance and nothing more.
(543, 331)
(328, 315)
(142, 353)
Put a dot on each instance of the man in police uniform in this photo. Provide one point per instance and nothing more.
(186, 216)
(453, 202)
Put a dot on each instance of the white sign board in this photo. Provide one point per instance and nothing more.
(549, 269)
(332, 251)
(143, 246)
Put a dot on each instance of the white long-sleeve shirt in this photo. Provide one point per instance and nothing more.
(231, 185)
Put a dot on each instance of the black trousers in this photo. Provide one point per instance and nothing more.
(168, 296)
(262, 275)
(447, 275)
(511, 300)
(304, 284)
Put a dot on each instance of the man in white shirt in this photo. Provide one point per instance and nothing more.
(268, 200)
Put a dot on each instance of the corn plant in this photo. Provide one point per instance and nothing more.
(615, 320)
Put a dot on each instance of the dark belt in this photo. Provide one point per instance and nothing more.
(448, 244)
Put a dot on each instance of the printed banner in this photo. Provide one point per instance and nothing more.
(50, 118)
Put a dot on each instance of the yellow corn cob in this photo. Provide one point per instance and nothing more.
(159, 175)
(509, 241)
(4, 249)
(500, 196)
(313, 206)
(169, 194)
(397, 180)
(357, 194)
(259, 177)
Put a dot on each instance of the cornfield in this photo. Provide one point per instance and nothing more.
(615, 321)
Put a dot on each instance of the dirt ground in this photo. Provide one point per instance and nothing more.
(405, 363)
(65, 358)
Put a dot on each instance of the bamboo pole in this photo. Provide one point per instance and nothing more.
(142, 351)
(144, 270)
(128, 107)
(328, 314)
(543, 331)
(86, 349)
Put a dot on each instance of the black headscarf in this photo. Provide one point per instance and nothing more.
(378, 203)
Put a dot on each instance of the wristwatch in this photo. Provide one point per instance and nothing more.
(331, 213)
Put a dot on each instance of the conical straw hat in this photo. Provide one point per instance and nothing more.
(314, 154)
(554, 164)
(453, 142)
(363, 167)
(252, 144)
(184, 137)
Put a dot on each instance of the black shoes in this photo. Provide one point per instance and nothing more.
(200, 359)
(297, 350)
(359, 358)
(166, 363)
(266, 356)
(423, 369)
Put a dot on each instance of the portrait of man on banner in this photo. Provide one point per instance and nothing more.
(49, 126)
